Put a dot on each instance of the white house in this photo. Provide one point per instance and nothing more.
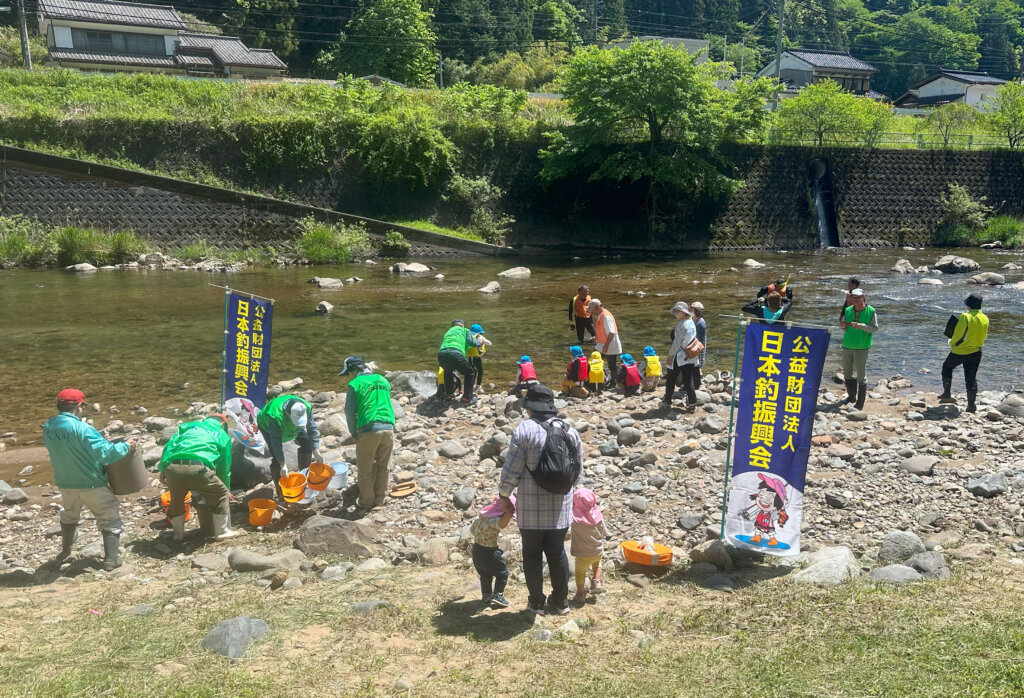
(947, 87)
(802, 67)
(695, 47)
(109, 35)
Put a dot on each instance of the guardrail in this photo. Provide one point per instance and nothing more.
(920, 141)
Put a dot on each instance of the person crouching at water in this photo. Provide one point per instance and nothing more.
(629, 376)
(650, 370)
(198, 459)
(860, 322)
(289, 418)
(965, 346)
(79, 456)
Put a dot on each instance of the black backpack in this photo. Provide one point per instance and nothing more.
(560, 464)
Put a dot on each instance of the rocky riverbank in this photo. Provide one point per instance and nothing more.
(955, 480)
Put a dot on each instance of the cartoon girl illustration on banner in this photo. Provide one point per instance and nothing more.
(244, 429)
(769, 507)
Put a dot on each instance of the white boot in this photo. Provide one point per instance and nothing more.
(178, 524)
(222, 527)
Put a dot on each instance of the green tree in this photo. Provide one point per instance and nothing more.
(514, 25)
(392, 38)
(1005, 113)
(950, 119)
(465, 29)
(266, 24)
(819, 113)
(556, 21)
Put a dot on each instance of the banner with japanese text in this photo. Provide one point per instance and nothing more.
(778, 397)
(248, 348)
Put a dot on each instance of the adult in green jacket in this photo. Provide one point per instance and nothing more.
(859, 323)
(288, 418)
(198, 459)
(79, 456)
(452, 358)
(371, 421)
(965, 345)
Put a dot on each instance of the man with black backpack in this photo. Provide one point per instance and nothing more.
(545, 457)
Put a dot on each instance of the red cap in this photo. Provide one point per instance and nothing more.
(71, 395)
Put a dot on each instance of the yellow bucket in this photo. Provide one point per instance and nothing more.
(261, 511)
(293, 487)
(320, 475)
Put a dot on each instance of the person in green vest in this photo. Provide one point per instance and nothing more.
(198, 459)
(288, 418)
(79, 456)
(371, 421)
(860, 322)
(965, 345)
(452, 358)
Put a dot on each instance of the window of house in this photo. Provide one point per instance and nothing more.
(118, 42)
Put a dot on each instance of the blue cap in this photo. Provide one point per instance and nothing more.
(524, 359)
(628, 359)
(649, 351)
(476, 329)
(576, 351)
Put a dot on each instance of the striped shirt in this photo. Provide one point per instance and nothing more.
(536, 508)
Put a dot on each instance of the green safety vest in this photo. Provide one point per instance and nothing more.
(274, 411)
(854, 337)
(455, 338)
(373, 400)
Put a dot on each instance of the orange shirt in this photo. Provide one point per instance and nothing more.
(579, 306)
(602, 334)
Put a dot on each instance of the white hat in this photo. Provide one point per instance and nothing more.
(297, 414)
(594, 303)
(697, 305)
(681, 307)
(856, 292)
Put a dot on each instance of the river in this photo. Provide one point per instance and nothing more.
(132, 338)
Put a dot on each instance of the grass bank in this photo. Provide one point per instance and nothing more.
(770, 638)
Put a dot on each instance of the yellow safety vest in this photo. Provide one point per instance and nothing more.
(653, 367)
(596, 370)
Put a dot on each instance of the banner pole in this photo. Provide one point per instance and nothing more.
(732, 413)
(224, 352)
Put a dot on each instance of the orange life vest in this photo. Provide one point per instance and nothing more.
(579, 306)
(602, 336)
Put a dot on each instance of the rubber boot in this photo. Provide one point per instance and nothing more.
(178, 524)
(205, 520)
(946, 397)
(222, 527)
(68, 534)
(971, 396)
(862, 392)
(851, 391)
(111, 551)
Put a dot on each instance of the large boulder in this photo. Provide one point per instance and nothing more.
(920, 465)
(452, 450)
(241, 560)
(829, 567)
(752, 264)
(987, 278)
(325, 283)
(416, 383)
(900, 546)
(895, 574)
(80, 268)
(324, 535)
(1012, 406)
(495, 445)
(491, 287)
(953, 264)
(410, 268)
(233, 636)
(931, 564)
(334, 425)
(989, 485)
(324, 308)
(629, 436)
(248, 469)
(714, 552)
(515, 273)
(903, 266)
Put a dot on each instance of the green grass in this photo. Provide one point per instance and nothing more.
(423, 224)
(321, 243)
(1004, 229)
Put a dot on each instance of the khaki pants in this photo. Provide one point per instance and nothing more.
(373, 456)
(99, 500)
(855, 361)
(650, 383)
(201, 481)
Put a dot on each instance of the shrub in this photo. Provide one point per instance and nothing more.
(76, 245)
(394, 245)
(1005, 229)
(125, 247)
(322, 243)
(962, 218)
(194, 251)
(478, 200)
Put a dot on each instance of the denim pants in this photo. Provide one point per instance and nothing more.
(490, 565)
(549, 544)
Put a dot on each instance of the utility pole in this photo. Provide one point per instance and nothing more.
(25, 55)
(778, 49)
(743, 53)
(440, 69)
(593, 18)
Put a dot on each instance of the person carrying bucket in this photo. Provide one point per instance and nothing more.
(371, 421)
(79, 456)
(289, 418)
(198, 459)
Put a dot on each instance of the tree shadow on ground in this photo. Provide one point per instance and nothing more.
(471, 619)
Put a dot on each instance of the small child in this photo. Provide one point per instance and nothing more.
(456, 386)
(588, 535)
(596, 380)
(476, 354)
(629, 375)
(487, 558)
(577, 374)
(526, 376)
(650, 370)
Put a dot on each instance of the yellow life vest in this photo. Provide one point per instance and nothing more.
(476, 351)
(653, 367)
(596, 368)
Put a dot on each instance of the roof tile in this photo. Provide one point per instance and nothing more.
(112, 12)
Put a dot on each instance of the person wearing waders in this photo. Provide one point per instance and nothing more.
(198, 459)
(288, 418)
(452, 358)
(859, 323)
(79, 456)
(371, 420)
(965, 345)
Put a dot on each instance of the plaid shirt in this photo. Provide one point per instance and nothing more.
(536, 508)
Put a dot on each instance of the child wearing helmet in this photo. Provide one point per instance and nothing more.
(475, 354)
(526, 376)
(650, 370)
(629, 375)
(577, 374)
(596, 380)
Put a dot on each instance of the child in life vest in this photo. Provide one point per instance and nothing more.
(487, 558)
(595, 382)
(629, 375)
(650, 370)
(476, 354)
(578, 372)
(526, 376)
(588, 535)
(456, 386)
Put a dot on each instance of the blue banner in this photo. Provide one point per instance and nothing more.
(247, 363)
(778, 398)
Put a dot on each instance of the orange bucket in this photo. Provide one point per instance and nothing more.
(293, 487)
(165, 501)
(261, 511)
(661, 557)
(320, 475)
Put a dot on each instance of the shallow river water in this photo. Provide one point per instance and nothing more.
(135, 338)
